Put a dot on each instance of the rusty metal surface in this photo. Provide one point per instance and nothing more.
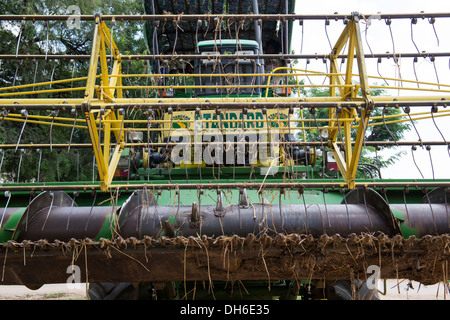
(293, 256)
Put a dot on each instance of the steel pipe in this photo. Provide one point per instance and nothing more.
(219, 56)
(208, 16)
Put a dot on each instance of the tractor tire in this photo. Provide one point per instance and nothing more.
(112, 291)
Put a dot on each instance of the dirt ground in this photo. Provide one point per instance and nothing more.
(395, 290)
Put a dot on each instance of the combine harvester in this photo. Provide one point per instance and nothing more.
(225, 180)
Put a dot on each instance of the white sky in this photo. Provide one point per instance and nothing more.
(379, 39)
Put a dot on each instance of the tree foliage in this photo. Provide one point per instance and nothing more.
(56, 37)
(382, 127)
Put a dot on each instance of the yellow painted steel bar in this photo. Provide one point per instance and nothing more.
(117, 129)
(109, 41)
(408, 88)
(156, 121)
(18, 115)
(310, 73)
(334, 128)
(227, 86)
(88, 96)
(352, 167)
(307, 73)
(21, 93)
(407, 120)
(37, 84)
(44, 122)
(36, 92)
(197, 100)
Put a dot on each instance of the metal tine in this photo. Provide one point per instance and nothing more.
(407, 111)
(384, 190)
(199, 115)
(434, 109)
(199, 195)
(22, 151)
(36, 63)
(301, 191)
(4, 113)
(281, 193)
(405, 190)
(22, 26)
(155, 213)
(24, 113)
(54, 113)
(365, 205)
(27, 211)
(431, 21)
(365, 36)
(300, 22)
(325, 190)
(146, 201)
(349, 224)
(3, 156)
(291, 112)
(219, 118)
(129, 167)
(431, 208)
(307, 170)
(39, 163)
(313, 111)
(19, 62)
(122, 113)
(7, 194)
(177, 192)
(186, 173)
(102, 112)
(93, 168)
(433, 59)
(413, 22)
(327, 23)
(52, 195)
(339, 110)
(264, 111)
(431, 160)
(244, 113)
(92, 206)
(378, 70)
(150, 116)
(169, 111)
(385, 111)
(75, 195)
(306, 71)
(175, 25)
(325, 78)
(53, 72)
(113, 23)
(73, 71)
(74, 114)
(414, 69)
(388, 23)
(46, 24)
(414, 148)
(140, 202)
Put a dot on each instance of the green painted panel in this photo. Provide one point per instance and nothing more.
(7, 230)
